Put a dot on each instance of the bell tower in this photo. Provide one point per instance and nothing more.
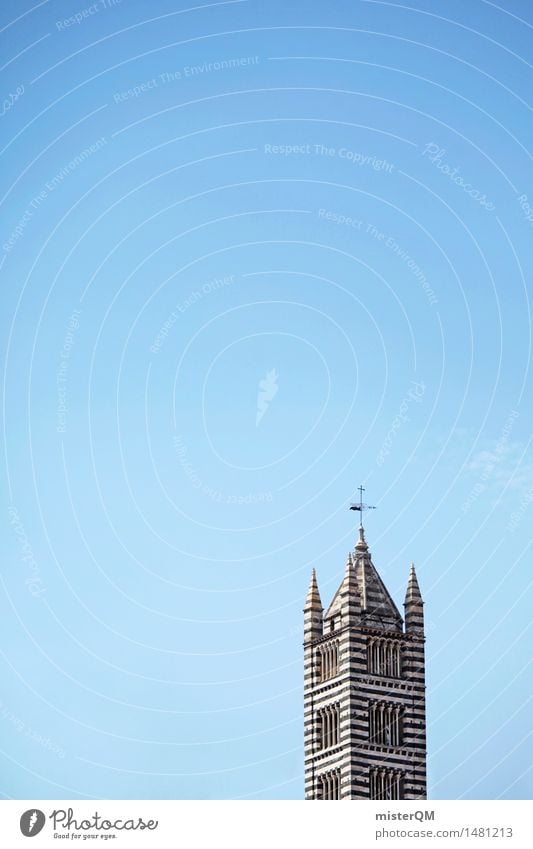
(364, 688)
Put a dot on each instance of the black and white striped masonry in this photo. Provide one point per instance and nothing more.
(364, 688)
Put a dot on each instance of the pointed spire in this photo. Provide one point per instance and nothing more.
(414, 606)
(350, 598)
(413, 593)
(363, 584)
(313, 596)
(369, 597)
(361, 548)
(375, 600)
(313, 612)
(349, 574)
(349, 582)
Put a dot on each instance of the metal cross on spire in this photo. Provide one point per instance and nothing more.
(361, 507)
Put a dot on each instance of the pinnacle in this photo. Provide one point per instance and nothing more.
(361, 542)
(350, 578)
(413, 593)
(313, 596)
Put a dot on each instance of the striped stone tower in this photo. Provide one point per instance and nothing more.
(364, 688)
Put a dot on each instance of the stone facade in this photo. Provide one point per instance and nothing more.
(364, 688)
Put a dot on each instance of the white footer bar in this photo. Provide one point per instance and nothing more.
(272, 824)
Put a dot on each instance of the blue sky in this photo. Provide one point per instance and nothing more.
(252, 256)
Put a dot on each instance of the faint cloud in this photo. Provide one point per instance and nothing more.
(500, 466)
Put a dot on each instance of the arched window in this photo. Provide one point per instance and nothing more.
(329, 785)
(384, 658)
(328, 660)
(385, 784)
(385, 724)
(328, 727)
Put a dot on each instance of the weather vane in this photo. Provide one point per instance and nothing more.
(361, 507)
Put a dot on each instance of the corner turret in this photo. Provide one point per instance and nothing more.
(313, 611)
(414, 606)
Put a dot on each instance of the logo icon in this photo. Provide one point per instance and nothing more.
(32, 822)
(268, 387)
